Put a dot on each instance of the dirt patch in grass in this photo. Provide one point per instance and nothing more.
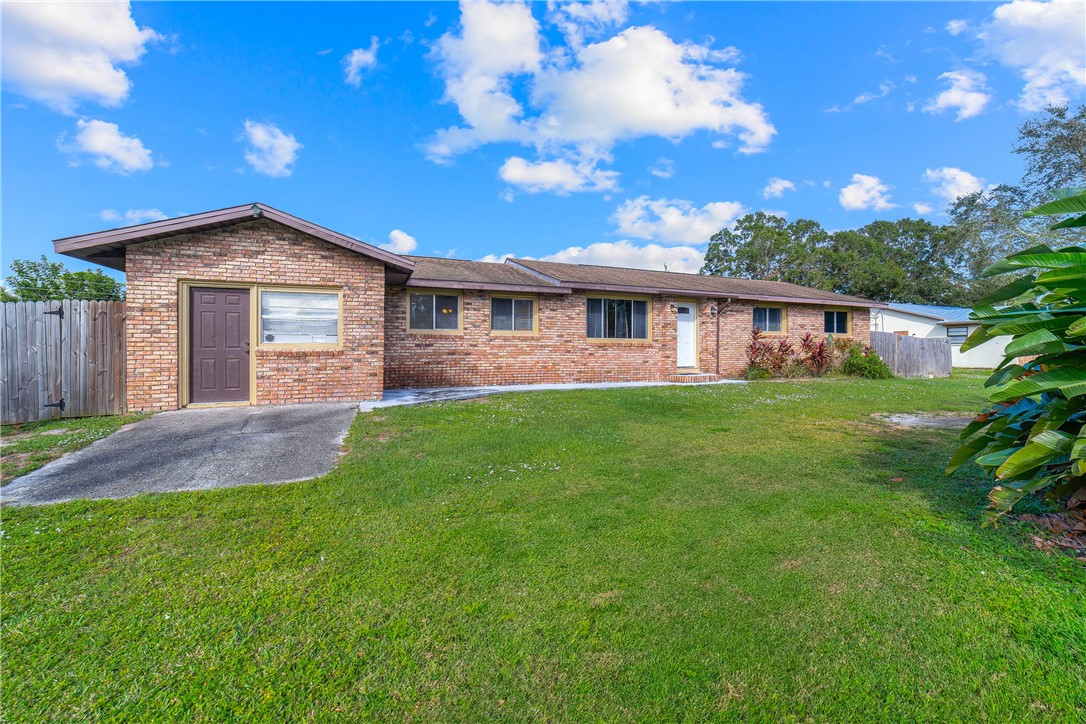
(936, 420)
(31, 445)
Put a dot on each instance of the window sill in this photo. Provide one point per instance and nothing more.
(299, 352)
(621, 342)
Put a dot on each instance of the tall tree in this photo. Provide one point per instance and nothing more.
(44, 280)
(992, 223)
(765, 246)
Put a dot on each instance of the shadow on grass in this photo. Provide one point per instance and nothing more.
(914, 460)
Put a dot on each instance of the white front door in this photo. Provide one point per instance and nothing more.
(687, 352)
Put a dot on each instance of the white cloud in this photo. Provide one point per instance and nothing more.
(663, 168)
(270, 152)
(578, 20)
(865, 192)
(776, 187)
(674, 221)
(956, 27)
(582, 100)
(884, 90)
(400, 242)
(921, 208)
(132, 216)
(560, 176)
(626, 254)
(110, 149)
(967, 92)
(60, 53)
(948, 183)
(1046, 43)
(358, 60)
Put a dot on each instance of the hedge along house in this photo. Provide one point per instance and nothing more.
(250, 305)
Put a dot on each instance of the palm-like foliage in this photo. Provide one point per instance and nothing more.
(1034, 436)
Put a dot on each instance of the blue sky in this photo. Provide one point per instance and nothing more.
(601, 133)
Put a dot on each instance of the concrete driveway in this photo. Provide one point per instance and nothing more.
(194, 450)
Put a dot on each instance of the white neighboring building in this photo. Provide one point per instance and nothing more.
(923, 320)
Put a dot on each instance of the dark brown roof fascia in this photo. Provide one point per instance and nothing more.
(85, 246)
(658, 291)
(512, 288)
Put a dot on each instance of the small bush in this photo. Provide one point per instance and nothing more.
(756, 372)
(862, 361)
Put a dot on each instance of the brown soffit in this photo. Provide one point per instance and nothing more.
(107, 247)
(658, 291)
(486, 286)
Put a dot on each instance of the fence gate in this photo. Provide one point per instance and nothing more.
(61, 359)
(913, 356)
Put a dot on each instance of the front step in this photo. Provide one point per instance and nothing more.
(693, 377)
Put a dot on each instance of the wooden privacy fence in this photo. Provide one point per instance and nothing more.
(61, 359)
(913, 356)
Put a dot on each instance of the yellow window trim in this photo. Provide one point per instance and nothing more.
(253, 288)
(534, 299)
(619, 340)
(430, 291)
(784, 319)
(848, 319)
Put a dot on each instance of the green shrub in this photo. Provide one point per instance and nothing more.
(757, 372)
(865, 362)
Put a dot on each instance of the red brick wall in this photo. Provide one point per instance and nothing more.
(737, 318)
(259, 251)
(560, 352)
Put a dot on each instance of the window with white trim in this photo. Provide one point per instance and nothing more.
(769, 319)
(617, 319)
(957, 335)
(512, 314)
(299, 317)
(431, 312)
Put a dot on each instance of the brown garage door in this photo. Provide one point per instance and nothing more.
(219, 359)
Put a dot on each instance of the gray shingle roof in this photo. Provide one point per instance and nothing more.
(589, 276)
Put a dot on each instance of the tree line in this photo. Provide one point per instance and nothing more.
(915, 260)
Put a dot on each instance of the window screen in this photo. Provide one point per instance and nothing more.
(767, 319)
(512, 315)
(299, 317)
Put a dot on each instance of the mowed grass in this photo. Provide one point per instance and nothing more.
(28, 446)
(722, 552)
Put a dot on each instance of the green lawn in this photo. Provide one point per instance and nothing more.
(722, 552)
(30, 445)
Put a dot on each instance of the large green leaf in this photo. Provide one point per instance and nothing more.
(1039, 342)
(1053, 278)
(1008, 291)
(1038, 451)
(1025, 325)
(1068, 205)
(1067, 193)
(977, 337)
(1074, 222)
(1046, 381)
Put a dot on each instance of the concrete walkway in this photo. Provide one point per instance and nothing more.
(395, 398)
(195, 449)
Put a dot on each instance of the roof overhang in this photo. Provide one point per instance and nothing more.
(702, 294)
(910, 312)
(108, 247)
(487, 286)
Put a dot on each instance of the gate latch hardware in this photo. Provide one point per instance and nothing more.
(56, 404)
(59, 311)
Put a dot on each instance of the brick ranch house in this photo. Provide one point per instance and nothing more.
(250, 305)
